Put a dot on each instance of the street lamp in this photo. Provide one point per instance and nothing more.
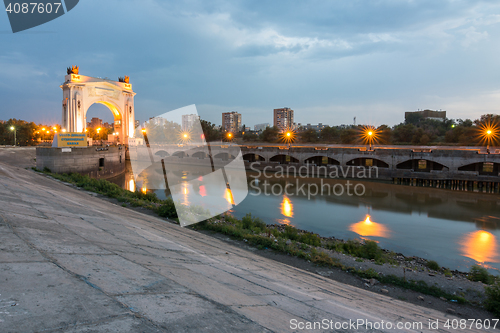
(488, 139)
(368, 135)
(289, 138)
(12, 128)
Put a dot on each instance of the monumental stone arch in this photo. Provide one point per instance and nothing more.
(80, 92)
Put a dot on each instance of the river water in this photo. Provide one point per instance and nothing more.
(455, 228)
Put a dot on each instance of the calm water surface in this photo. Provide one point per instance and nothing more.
(455, 228)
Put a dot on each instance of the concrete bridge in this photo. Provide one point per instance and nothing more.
(423, 163)
(400, 164)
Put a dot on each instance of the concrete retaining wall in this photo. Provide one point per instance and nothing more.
(96, 162)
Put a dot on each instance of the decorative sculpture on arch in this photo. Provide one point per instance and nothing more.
(73, 70)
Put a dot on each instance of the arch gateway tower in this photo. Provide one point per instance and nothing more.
(80, 92)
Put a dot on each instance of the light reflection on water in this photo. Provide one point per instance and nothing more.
(457, 229)
(481, 246)
(368, 228)
(286, 207)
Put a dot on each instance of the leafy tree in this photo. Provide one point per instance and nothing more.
(329, 134)
(209, 130)
(413, 118)
(348, 136)
(270, 134)
(403, 133)
(384, 134)
(249, 136)
(309, 135)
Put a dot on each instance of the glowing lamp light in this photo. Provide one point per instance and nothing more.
(64, 130)
(368, 228)
(488, 132)
(54, 128)
(286, 207)
(48, 132)
(481, 246)
(43, 129)
(12, 128)
(370, 133)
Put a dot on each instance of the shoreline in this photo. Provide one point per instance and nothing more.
(457, 285)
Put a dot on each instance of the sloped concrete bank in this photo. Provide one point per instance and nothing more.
(70, 262)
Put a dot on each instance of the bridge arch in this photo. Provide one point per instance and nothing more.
(368, 162)
(321, 160)
(225, 156)
(421, 165)
(483, 168)
(284, 159)
(162, 153)
(200, 155)
(180, 154)
(253, 158)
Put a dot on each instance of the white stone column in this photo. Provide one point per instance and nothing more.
(70, 111)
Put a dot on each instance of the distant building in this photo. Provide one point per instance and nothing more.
(231, 121)
(260, 127)
(2, 121)
(317, 128)
(427, 114)
(157, 121)
(283, 119)
(95, 123)
(137, 124)
(108, 125)
(188, 120)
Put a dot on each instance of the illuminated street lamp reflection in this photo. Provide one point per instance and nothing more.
(481, 246)
(368, 228)
(286, 207)
(229, 196)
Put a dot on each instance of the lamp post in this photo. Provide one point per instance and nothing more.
(488, 138)
(289, 138)
(12, 128)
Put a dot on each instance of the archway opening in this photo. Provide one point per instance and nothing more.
(421, 165)
(253, 158)
(321, 160)
(284, 159)
(103, 122)
(368, 162)
(482, 168)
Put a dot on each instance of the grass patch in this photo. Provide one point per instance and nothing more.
(478, 273)
(492, 302)
(433, 265)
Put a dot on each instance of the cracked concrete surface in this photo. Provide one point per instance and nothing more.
(71, 262)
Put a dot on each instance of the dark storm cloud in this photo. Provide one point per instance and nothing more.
(326, 59)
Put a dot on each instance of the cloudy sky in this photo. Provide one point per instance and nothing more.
(328, 60)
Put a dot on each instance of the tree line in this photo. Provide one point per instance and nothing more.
(414, 131)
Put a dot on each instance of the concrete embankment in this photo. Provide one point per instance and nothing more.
(71, 262)
(95, 162)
